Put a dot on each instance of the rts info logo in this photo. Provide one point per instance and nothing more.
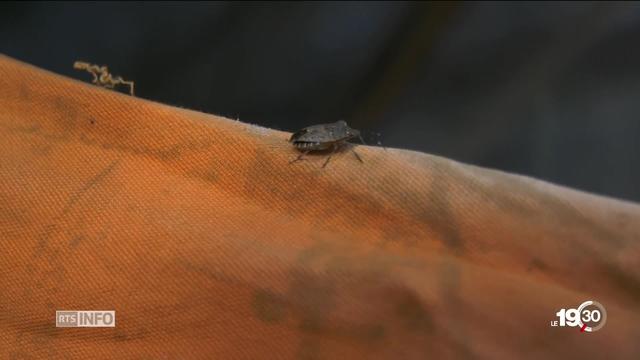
(590, 316)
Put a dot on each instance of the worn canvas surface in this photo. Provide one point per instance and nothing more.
(208, 244)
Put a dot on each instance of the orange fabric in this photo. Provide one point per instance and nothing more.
(208, 244)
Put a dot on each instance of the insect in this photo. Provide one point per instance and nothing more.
(324, 137)
(101, 76)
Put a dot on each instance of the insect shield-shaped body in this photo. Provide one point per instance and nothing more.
(324, 137)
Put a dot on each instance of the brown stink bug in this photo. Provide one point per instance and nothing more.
(324, 137)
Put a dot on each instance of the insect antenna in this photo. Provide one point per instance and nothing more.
(373, 135)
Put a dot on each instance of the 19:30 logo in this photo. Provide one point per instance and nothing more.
(590, 316)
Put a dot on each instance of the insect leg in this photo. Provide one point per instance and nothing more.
(80, 65)
(356, 154)
(95, 78)
(131, 85)
(120, 80)
(363, 143)
(327, 161)
(93, 70)
(335, 147)
(299, 157)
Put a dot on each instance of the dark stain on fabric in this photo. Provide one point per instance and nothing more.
(43, 331)
(314, 298)
(309, 349)
(516, 195)
(39, 334)
(537, 264)
(95, 180)
(67, 113)
(412, 314)
(208, 173)
(33, 128)
(177, 150)
(121, 335)
(450, 279)
(24, 93)
(305, 196)
(628, 283)
(76, 240)
(41, 148)
(439, 215)
(216, 276)
(268, 306)
(43, 241)
(46, 267)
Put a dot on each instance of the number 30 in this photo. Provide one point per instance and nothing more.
(588, 316)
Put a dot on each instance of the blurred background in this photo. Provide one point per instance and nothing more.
(550, 90)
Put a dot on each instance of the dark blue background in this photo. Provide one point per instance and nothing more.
(550, 90)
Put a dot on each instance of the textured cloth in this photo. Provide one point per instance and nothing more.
(208, 244)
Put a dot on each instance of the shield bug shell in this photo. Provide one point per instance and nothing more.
(324, 137)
